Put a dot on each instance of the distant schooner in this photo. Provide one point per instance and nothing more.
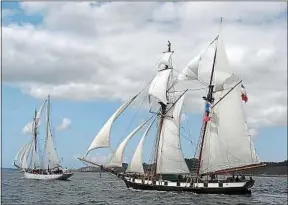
(32, 164)
(225, 144)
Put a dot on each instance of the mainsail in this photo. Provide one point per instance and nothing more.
(51, 159)
(170, 155)
(226, 143)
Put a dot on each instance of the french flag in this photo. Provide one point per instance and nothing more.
(244, 94)
(207, 118)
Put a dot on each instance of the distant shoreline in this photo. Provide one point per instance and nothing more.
(272, 169)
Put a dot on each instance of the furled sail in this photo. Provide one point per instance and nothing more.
(158, 87)
(227, 143)
(136, 165)
(117, 158)
(102, 139)
(170, 159)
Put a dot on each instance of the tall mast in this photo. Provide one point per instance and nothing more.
(209, 100)
(162, 114)
(35, 131)
(47, 123)
(48, 116)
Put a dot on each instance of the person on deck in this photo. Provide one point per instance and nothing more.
(237, 179)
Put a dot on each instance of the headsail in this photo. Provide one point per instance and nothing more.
(102, 139)
(25, 160)
(20, 154)
(136, 165)
(117, 158)
(170, 155)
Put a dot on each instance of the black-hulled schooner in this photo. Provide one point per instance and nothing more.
(225, 144)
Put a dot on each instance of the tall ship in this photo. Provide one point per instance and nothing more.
(225, 147)
(36, 162)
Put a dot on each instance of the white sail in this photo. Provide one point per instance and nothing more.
(158, 87)
(102, 139)
(190, 71)
(50, 154)
(24, 161)
(222, 67)
(170, 159)
(51, 159)
(227, 142)
(117, 158)
(35, 158)
(20, 154)
(29, 127)
(39, 113)
(136, 165)
(166, 59)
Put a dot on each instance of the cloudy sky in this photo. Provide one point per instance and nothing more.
(92, 56)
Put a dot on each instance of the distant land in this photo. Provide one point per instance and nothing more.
(271, 168)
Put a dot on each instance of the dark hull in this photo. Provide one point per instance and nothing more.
(202, 190)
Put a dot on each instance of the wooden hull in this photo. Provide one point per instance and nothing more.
(63, 176)
(199, 188)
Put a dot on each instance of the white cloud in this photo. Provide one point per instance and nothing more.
(84, 52)
(65, 124)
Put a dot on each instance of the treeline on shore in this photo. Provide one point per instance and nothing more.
(271, 168)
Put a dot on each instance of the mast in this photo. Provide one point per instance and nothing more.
(35, 131)
(209, 100)
(48, 120)
(162, 115)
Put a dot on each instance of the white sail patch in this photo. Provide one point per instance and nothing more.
(158, 87)
(170, 159)
(102, 139)
(227, 143)
(117, 158)
(222, 67)
(191, 70)
(25, 158)
(51, 159)
(136, 165)
(166, 60)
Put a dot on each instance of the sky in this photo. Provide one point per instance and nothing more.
(91, 57)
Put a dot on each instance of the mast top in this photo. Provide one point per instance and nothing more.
(169, 46)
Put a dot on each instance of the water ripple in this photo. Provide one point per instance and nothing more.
(89, 188)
